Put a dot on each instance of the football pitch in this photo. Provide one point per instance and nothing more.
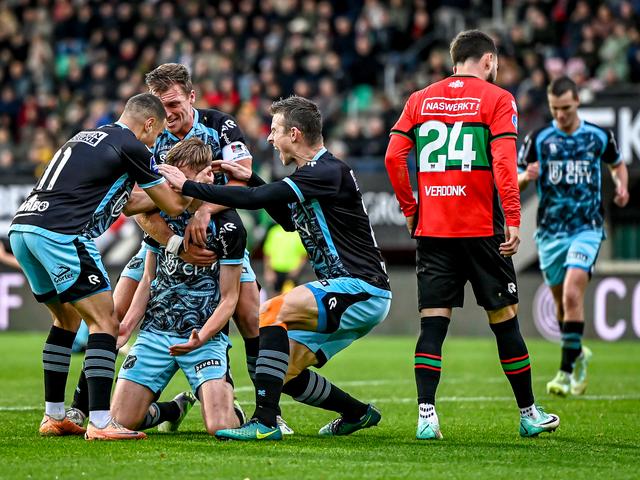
(599, 435)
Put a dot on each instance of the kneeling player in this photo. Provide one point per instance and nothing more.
(185, 307)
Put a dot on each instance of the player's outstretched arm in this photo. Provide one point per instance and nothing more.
(138, 306)
(229, 292)
(249, 198)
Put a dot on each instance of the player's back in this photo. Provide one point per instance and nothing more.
(88, 182)
(452, 123)
(332, 222)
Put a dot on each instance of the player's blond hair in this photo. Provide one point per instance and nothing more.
(166, 76)
(193, 153)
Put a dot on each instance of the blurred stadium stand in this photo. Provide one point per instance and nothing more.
(67, 65)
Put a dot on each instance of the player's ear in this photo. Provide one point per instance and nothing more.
(148, 125)
(192, 97)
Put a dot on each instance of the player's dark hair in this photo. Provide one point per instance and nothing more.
(471, 44)
(192, 152)
(302, 114)
(162, 78)
(145, 105)
(562, 85)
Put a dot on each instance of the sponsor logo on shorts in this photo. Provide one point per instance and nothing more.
(511, 287)
(445, 191)
(94, 279)
(129, 362)
(212, 362)
(62, 273)
(333, 301)
(581, 257)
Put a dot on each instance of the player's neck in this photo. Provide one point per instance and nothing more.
(572, 128)
(306, 153)
(469, 71)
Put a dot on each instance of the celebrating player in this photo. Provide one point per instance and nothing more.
(171, 83)
(464, 130)
(185, 308)
(81, 193)
(563, 158)
(313, 322)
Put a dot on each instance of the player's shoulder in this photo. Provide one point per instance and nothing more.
(210, 117)
(540, 132)
(597, 128)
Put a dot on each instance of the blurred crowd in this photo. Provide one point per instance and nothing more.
(66, 65)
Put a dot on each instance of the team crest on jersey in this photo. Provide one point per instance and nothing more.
(555, 171)
(514, 120)
(457, 84)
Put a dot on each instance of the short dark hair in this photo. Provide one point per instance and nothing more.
(561, 85)
(192, 152)
(145, 105)
(302, 114)
(162, 78)
(471, 44)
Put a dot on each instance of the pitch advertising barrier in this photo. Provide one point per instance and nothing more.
(612, 307)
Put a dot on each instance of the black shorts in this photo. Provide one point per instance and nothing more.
(444, 265)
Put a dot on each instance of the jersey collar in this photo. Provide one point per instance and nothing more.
(122, 125)
(190, 133)
(578, 130)
(321, 152)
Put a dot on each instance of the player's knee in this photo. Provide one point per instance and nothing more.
(571, 299)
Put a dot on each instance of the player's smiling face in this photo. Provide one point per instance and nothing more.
(179, 108)
(280, 139)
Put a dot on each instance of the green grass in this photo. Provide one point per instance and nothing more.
(599, 434)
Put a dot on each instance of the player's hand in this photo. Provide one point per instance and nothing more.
(233, 170)
(199, 256)
(205, 176)
(173, 175)
(411, 219)
(124, 334)
(532, 172)
(622, 196)
(196, 231)
(182, 348)
(512, 237)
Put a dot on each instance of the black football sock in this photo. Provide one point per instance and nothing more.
(571, 343)
(514, 359)
(428, 357)
(251, 348)
(271, 369)
(81, 394)
(56, 357)
(99, 367)
(315, 390)
(160, 412)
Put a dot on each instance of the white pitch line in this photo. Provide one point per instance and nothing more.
(591, 398)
